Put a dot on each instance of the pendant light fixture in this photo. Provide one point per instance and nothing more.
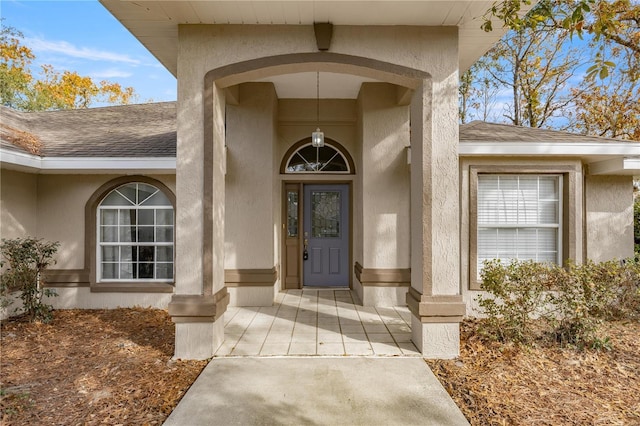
(317, 137)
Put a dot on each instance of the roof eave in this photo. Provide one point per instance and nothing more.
(29, 163)
(610, 158)
(155, 22)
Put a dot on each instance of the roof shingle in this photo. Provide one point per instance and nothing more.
(481, 131)
(149, 130)
(142, 130)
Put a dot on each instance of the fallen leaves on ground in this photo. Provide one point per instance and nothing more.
(498, 384)
(90, 367)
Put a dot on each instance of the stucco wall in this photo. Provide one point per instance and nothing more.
(249, 218)
(297, 119)
(385, 190)
(18, 204)
(61, 212)
(207, 47)
(52, 207)
(609, 217)
(231, 54)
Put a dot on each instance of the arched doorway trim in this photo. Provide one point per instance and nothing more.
(253, 69)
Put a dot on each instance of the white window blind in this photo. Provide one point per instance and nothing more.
(519, 217)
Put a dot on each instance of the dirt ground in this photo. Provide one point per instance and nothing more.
(495, 384)
(91, 367)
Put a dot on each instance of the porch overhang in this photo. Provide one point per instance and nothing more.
(155, 22)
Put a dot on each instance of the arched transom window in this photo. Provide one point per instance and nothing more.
(135, 235)
(309, 159)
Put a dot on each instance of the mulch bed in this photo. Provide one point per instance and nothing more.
(496, 384)
(90, 367)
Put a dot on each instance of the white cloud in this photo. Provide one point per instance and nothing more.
(65, 48)
(111, 73)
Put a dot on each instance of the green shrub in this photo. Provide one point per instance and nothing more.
(636, 224)
(517, 293)
(626, 304)
(583, 297)
(26, 259)
(570, 302)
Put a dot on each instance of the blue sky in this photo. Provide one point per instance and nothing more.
(83, 36)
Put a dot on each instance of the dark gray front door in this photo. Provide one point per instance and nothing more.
(326, 235)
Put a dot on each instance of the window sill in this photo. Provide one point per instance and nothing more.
(133, 287)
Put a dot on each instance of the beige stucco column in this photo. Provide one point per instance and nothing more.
(252, 195)
(384, 132)
(434, 296)
(201, 298)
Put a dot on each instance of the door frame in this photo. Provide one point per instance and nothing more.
(299, 184)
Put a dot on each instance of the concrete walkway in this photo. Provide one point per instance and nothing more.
(317, 358)
(316, 391)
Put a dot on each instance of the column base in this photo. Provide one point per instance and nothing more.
(381, 286)
(198, 340)
(199, 323)
(251, 296)
(436, 340)
(251, 287)
(435, 323)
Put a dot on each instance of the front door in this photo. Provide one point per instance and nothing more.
(326, 235)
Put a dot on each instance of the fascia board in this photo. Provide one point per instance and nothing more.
(632, 164)
(108, 164)
(585, 149)
(616, 166)
(23, 160)
(87, 165)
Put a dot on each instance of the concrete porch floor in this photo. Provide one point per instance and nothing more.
(317, 322)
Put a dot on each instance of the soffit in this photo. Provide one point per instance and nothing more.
(155, 22)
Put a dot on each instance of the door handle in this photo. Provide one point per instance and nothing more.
(305, 252)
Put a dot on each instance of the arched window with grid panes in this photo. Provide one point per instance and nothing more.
(305, 158)
(135, 232)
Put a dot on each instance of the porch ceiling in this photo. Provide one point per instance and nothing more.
(155, 22)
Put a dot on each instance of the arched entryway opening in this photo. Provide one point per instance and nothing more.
(234, 87)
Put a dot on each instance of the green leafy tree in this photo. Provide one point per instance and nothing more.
(51, 90)
(535, 68)
(549, 89)
(15, 74)
(608, 22)
(609, 106)
(478, 92)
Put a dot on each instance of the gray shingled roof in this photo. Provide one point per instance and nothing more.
(480, 131)
(149, 130)
(143, 130)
